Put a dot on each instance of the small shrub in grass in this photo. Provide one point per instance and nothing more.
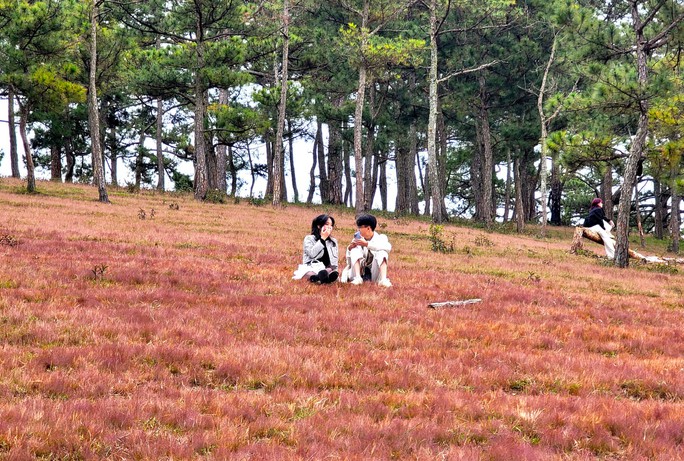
(439, 245)
(483, 241)
(8, 240)
(257, 201)
(99, 271)
(216, 196)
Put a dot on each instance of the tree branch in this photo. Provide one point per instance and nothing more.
(468, 71)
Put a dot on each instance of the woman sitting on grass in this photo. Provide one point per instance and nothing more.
(319, 263)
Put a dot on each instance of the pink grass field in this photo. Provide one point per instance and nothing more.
(182, 336)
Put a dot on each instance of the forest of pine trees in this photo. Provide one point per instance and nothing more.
(459, 99)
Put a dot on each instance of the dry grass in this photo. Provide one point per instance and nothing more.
(181, 336)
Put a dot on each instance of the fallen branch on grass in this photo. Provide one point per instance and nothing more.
(454, 303)
(578, 244)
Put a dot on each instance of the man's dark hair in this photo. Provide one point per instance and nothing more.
(367, 220)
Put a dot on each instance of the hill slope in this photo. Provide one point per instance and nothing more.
(181, 335)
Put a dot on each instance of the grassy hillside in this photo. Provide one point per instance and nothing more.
(182, 336)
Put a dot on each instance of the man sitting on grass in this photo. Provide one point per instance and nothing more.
(367, 254)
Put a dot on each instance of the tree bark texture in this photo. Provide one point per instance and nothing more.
(607, 191)
(358, 140)
(14, 153)
(161, 176)
(30, 166)
(55, 164)
(488, 154)
(93, 112)
(201, 173)
(282, 108)
(433, 104)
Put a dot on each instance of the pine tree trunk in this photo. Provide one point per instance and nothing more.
(30, 167)
(314, 163)
(269, 165)
(348, 188)
(519, 201)
(411, 170)
(139, 158)
(14, 153)
(161, 171)
(636, 150)
(293, 176)
(637, 207)
(231, 168)
(93, 113)
(323, 183)
(488, 157)
(358, 140)
(70, 161)
(675, 223)
(658, 210)
(556, 194)
(507, 194)
(113, 156)
(382, 184)
(432, 171)
(369, 175)
(278, 163)
(55, 164)
(607, 191)
(201, 173)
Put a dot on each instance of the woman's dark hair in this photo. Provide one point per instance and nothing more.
(318, 222)
(595, 203)
(367, 220)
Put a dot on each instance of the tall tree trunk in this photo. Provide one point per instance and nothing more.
(476, 173)
(278, 163)
(30, 167)
(556, 194)
(70, 161)
(637, 207)
(293, 176)
(433, 79)
(382, 183)
(269, 164)
(519, 201)
(369, 176)
(507, 194)
(607, 191)
(55, 164)
(230, 160)
(428, 187)
(675, 222)
(402, 204)
(161, 171)
(212, 162)
(348, 188)
(314, 163)
(358, 140)
(139, 159)
(251, 171)
(335, 193)
(658, 210)
(113, 155)
(488, 157)
(323, 183)
(638, 144)
(411, 170)
(201, 173)
(14, 153)
(93, 112)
